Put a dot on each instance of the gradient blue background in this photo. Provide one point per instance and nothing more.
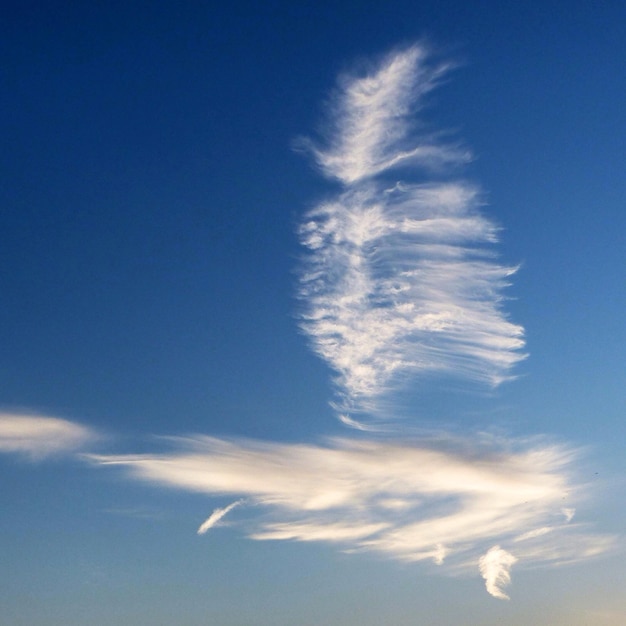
(148, 208)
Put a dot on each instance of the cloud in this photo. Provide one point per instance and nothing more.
(37, 436)
(216, 516)
(371, 119)
(400, 280)
(352, 423)
(494, 567)
(441, 501)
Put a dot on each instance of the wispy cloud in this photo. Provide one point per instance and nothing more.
(401, 279)
(372, 117)
(38, 436)
(495, 566)
(216, 516)
(411, 501)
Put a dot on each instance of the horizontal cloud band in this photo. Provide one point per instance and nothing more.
(408, 500)
(441, 499)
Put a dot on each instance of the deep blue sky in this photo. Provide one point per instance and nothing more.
(148, 212)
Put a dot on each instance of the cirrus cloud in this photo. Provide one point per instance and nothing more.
(445, 501)
(401, 279)
(38, 436)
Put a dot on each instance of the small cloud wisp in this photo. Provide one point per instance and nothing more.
(495, 568)
(216, 516)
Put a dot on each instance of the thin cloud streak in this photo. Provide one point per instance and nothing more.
(216, 516)
(38, 436)
(411, 501)
(400, 280)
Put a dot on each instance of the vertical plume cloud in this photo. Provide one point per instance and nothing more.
(495, 568)
(400, 279)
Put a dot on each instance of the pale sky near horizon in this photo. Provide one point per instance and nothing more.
(312, 314)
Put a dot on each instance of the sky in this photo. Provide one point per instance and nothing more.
(311, 313)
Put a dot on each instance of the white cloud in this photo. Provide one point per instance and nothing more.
(352, 423)
(38, 436)
(371, 119)
(495, 568)
(410, 501)
(400, 280)
(216, 516)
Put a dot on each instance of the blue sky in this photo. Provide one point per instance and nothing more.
(254, 266)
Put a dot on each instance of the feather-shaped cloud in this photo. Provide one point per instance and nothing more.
(401, 280)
